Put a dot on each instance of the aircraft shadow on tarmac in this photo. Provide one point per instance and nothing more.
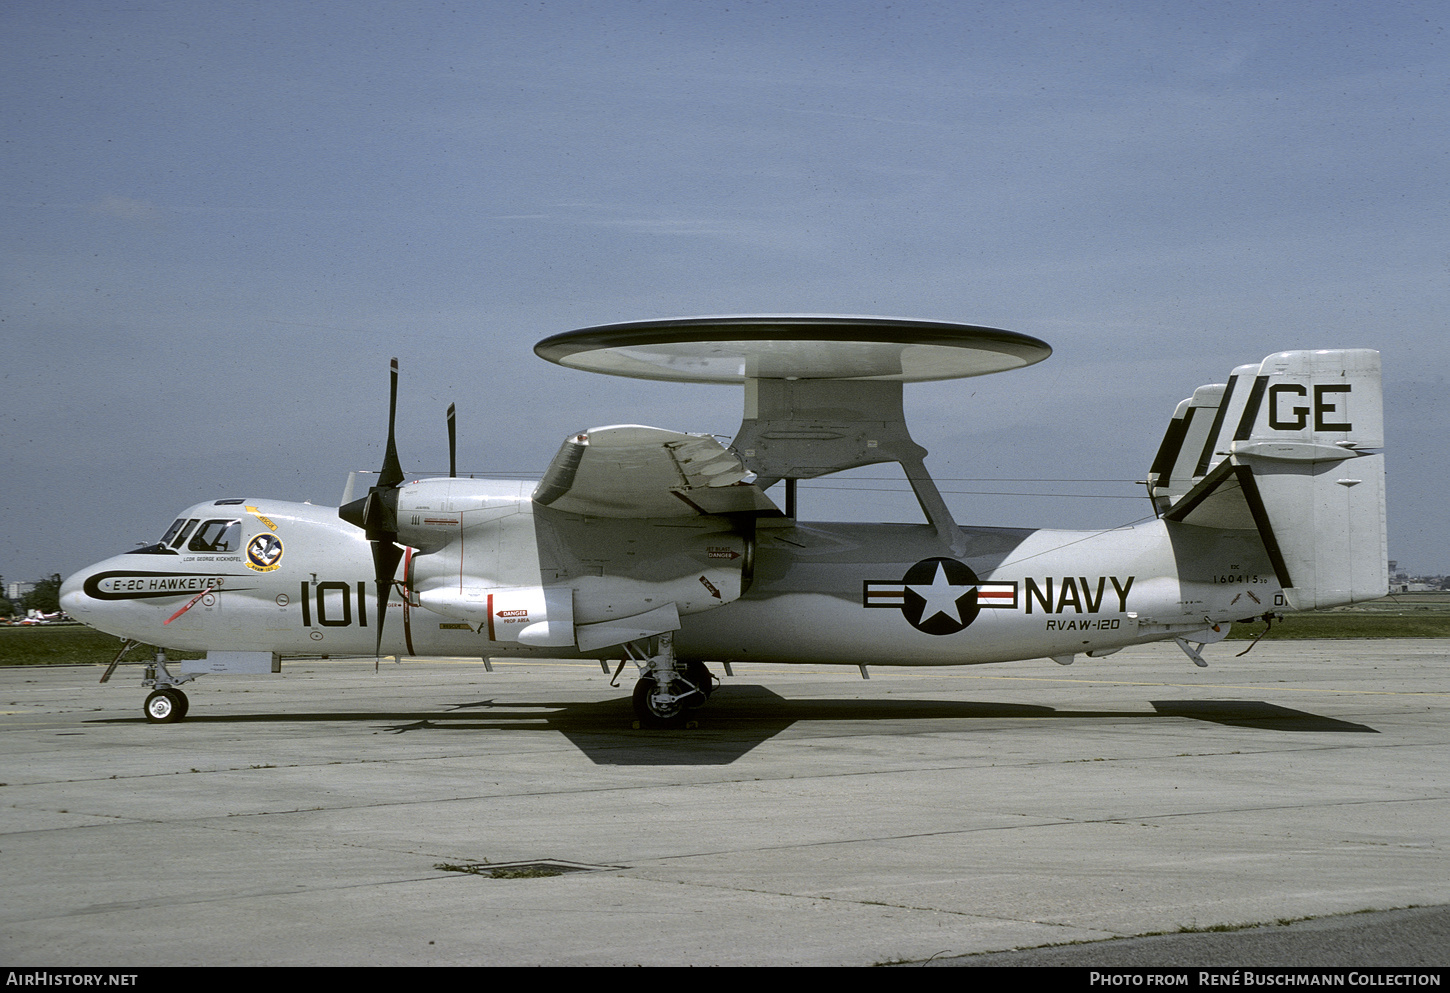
(741, 717)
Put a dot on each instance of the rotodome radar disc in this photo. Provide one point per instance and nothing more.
(734, 349)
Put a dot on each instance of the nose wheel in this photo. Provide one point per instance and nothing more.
(166, 706)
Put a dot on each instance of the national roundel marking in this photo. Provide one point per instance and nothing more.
(936, 596)
(941, 596)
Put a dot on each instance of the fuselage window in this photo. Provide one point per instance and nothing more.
(217, 536)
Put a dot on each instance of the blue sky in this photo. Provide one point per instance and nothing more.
(218, 221)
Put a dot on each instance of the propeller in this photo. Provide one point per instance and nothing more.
(377, 514)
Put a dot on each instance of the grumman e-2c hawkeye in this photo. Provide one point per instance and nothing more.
(662, 548)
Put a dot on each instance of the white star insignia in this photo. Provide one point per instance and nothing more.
(941, 597)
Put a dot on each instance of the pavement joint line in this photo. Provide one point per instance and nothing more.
(1120, 819)
(220, 823)
(941, 767)
(188, 900)
(1128, 819)
(852, 901)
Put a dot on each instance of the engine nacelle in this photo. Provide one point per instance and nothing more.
(533, 616)
(486, 554)
(435, 512)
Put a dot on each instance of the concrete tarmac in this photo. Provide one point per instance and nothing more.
(333, 816)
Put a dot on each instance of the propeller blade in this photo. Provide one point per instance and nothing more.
(386, 557)
(452, 443)
(392, 473)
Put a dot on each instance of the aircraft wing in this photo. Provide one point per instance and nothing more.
(629, 470)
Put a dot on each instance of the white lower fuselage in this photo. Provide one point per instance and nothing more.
(299, 581)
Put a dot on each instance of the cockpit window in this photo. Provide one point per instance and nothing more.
(171, 540)
(184, 532)
(214, 536)
(217, 536)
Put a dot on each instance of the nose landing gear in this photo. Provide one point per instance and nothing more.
(166, 706)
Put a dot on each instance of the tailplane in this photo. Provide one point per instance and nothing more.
(1291, 448)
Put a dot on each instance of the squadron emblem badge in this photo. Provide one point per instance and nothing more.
(264, 553)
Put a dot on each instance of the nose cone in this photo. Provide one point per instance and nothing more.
(73, 599)
(84, 597)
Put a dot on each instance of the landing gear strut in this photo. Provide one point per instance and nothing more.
(667, 691)
(704, 682)
(167, 704)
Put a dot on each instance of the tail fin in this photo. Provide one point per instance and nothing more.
(1188, 449)
(1297, 456)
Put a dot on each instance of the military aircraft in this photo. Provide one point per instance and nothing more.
(662, 548)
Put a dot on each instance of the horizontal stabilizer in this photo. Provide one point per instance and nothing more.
(1228, 498)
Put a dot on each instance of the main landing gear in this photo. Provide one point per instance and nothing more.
(667, 690)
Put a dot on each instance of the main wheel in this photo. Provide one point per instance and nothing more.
(165, 706)
(704, 682)
(654, 712)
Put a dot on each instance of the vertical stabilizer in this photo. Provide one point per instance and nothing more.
(1197, 440)
(1312, 434)
(1173, 471)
